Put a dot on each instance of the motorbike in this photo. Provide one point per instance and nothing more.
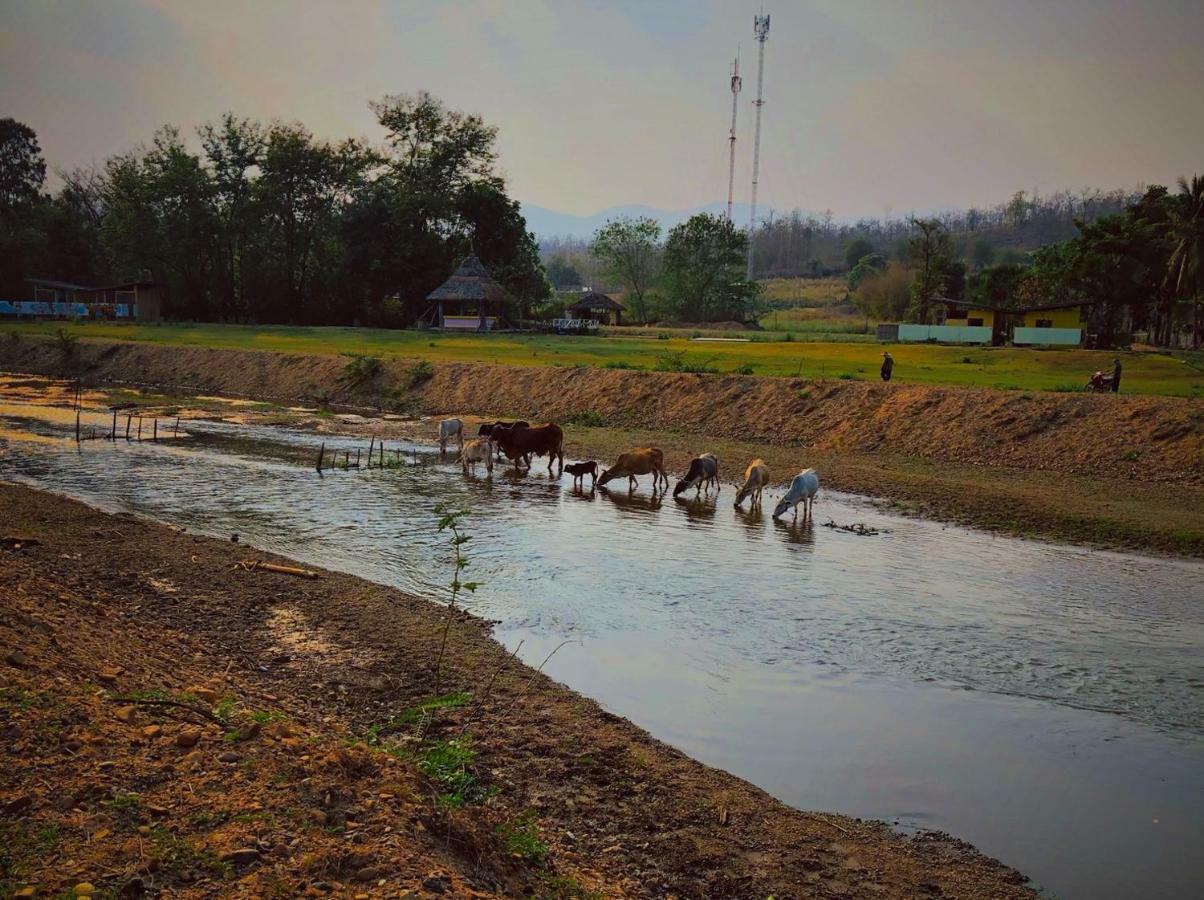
(1100, 383)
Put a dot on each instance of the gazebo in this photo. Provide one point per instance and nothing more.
(468, 301)
(598, 308)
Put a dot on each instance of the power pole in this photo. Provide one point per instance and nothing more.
(731, 135)
(761, 34)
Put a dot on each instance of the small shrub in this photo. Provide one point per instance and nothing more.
(587, 418)
(745, 369)
(677, 362)
(620, 364)
(449, 765)
(789, 338)
(662, 336)
(845, 376)
(360, 369)
(520, 837)
(695, 334)
(419, 373)
(66, 342)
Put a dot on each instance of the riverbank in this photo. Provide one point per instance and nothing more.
(176, 721)
(1124, 472)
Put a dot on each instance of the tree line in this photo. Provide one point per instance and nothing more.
(1140, 269)
(267, 223)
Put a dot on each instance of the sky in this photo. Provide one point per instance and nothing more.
(871, 108)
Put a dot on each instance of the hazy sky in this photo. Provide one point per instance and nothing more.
(870, 107)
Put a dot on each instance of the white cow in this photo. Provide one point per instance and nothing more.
(448, 429)
(756, 476)
(803, 488)
(475, 451)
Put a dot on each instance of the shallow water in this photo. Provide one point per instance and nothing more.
(1045, 703)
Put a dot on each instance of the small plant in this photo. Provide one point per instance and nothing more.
(745, 369)
(449, 520)
(662, 336)
(361, 369)
(789, 337)
(66, 342)
(449, 765)
(696, 334)
(520, 837)
(417, 713)
(845, 376)
(224, 708)
(587, 418)
(419, 373)
(677, 362)
(620, 364)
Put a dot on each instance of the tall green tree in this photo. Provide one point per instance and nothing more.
(705, 260)
(22, 168)
(930, 251)
(857, 249)
(1186, 263)
(630, 253)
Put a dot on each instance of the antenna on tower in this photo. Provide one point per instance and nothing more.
(761, 33)
(737, 82)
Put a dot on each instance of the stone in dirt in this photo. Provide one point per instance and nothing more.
(110, 674)
(16, 658)
(152, 731)
(84, 889)
(229, 757)
(241, 857)
(209, 695)
(126, 714)
(188, 738)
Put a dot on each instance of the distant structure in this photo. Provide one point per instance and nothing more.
(464, 302)
(761, 33)
(737, 83)
(598, 308)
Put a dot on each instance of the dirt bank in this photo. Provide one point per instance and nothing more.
(1152, 439)
(174, 723)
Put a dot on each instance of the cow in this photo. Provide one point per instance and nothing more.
(448, 429)
(704, 471)
(475, 451)
(520, 442)
(803, 488)
(637, 462)
(756, 476)
(486, 430)
(580, 470)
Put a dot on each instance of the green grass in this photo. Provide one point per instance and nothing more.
(1177, 374)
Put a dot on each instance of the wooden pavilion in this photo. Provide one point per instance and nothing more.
(598, 308)
(468, 301)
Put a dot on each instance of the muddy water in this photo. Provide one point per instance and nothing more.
(1045, 703)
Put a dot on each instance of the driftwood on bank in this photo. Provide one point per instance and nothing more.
(252, 565)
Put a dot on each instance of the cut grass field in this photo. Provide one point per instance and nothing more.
(1171, 374)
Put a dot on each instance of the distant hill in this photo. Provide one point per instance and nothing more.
(548, 223)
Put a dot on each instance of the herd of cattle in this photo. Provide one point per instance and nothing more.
(519, 441)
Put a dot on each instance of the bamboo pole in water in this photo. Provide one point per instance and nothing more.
(140, 428)
(371, 446)
(128, 419)
(321, 453)
(155, 436)
(113, 432)
(177, 426)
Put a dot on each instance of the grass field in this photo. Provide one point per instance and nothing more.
(1179, 374)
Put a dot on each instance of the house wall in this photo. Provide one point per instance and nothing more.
(1061, 318)
(945, 334)
(1065, 337)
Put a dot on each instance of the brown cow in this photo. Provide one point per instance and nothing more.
(521, 442)
(638, 462)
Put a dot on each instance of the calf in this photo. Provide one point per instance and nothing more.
(522, 441)
(704, 471)
(803, 488)
(756, 476)
(580, 470)
(448, 429)
(475, 451)
(638, 462)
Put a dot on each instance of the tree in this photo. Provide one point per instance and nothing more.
(870, 264)
(563, 274)
(1186, 263)
(22, 169)
(930, 251)
(886, 295)
(629, 251)
(705, 259)
(858, 249)
(982, 254)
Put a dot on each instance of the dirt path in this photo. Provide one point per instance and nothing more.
(306, 767)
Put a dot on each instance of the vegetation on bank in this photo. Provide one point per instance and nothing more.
(1172, 374)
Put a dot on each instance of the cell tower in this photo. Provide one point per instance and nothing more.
(761, 33)
(737, 82)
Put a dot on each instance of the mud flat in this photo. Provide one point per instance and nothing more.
(174, 721)
(1125, 472)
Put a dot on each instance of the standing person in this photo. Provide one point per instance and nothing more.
(888, 365)
(1116, 375)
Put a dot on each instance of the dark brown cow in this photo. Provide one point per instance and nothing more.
(523, 441)
(486, 430)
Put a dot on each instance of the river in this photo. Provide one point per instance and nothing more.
(1045, 703)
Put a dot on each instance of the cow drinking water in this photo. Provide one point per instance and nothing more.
(704, 471)
(803, 488)
(448, 429)
(646, 460)
(756, 476)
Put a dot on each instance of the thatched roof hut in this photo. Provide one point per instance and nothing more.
(598, 307)
(470, 299)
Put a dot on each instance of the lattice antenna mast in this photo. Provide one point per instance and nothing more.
(737, 83)
(761, 33)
